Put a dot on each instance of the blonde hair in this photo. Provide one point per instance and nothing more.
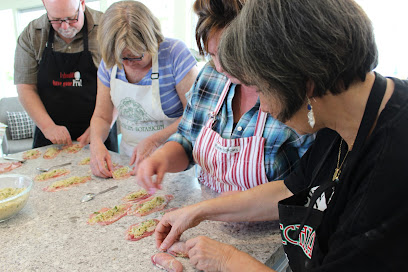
(131, 25)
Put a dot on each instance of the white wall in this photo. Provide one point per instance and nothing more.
(178, 21)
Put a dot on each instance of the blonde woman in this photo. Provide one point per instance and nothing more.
(142, 81)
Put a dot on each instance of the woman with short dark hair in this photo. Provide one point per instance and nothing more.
(222, 130)
(345, 207)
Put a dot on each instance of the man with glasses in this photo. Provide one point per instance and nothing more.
(55, 73)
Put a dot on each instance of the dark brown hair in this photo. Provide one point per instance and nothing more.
(280, 45)
(213, 15)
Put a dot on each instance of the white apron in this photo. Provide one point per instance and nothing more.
(230, 164)
(139, 107)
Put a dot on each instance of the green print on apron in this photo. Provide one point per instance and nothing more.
(139, 108)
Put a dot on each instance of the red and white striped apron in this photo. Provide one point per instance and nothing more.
(230, 164)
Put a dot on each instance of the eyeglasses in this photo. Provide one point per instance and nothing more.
(67, 20)
(134, 59)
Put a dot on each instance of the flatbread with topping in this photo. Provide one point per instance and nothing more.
(51, 153)
(150, 205)
(136, 196)
(31, 154)
(51, 174)
(141, 230)
(121, 173)
(107, 216)
(66, 183)
(85, 161)
(74, 148)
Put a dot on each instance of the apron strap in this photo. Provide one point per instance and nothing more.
(260, 123)
(85, 28)
(371, 111)
(155, 67)
(114, 72)
(213, 114)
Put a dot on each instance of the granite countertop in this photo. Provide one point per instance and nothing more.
(51, 234)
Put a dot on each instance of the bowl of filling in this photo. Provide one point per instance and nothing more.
(14, 193)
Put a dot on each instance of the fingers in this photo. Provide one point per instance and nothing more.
(58, 135)
(148, 183)
(167, 231)
(195, 253)
(192, 242)
(134, 171)
(133, 158)
(161, 232)
(171, 237)
(160, 175)
(138, 161)
(105, 167)
(145, 174)
(66, 138)
(84, 139)
(98, 169)
(101, 163)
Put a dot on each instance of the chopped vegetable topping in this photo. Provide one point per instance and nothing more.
(136, 195)
(31, 154)
(51, 152)
(85, 161)
(143, 227)
(69, 181)
(120, 172)
(9, 192)
(107, 215)
(151, 204)
(51, 174)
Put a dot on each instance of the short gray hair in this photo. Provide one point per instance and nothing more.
(131, 25)
(279, 45)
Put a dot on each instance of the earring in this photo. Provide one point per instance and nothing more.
(310, 115)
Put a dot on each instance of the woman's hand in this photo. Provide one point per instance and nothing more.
(209, 255)
(101, 163)
(84, 139)
(143, 150)
(173, 224)
(154, 165)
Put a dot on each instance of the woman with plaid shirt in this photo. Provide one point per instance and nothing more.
(222, 128)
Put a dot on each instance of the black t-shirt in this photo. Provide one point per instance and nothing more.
(365, 226)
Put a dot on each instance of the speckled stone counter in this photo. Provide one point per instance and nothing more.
(51, 234)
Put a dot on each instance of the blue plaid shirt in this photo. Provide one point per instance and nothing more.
(283, 146)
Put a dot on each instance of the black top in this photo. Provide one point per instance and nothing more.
(363, 228)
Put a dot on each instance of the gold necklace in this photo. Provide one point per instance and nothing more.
(337, 171)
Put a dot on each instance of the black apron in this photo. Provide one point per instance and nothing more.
(298, 223)
(66, 84)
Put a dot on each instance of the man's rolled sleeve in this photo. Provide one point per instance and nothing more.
(25, 62)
